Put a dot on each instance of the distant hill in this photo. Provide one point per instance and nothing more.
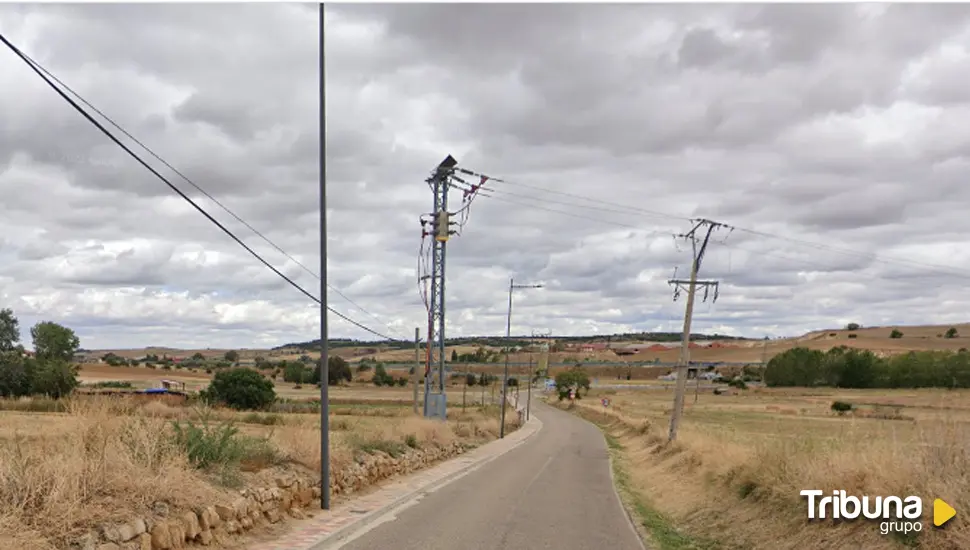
(497, 341)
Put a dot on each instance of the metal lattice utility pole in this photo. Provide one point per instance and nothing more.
(508, 346)
(439, 182)
(692, 284)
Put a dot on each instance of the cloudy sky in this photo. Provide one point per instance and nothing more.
(843, 130)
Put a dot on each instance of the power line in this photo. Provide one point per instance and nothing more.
(835, 249)
(814, 264)
(201, 190)
(34, 66)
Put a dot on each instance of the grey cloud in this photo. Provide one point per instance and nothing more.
(831, 124)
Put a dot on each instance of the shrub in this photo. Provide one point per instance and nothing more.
(841, 407)
(895, 334)
(221, 448)
(402, 381)
(381, 378)
(470, 379)
(112, 384)
(951, 333)
(240, 388)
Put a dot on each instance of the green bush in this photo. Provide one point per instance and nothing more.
(896, 334)
(220, 448)
(112, 384)
(841, 407)
(240, 388)
(381, 378)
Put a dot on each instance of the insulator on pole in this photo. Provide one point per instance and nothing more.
(441, 227)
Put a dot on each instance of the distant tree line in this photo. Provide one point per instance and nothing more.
(501, 342)
(845, 367)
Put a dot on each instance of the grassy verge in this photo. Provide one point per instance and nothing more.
(735, 472)
(659, 530)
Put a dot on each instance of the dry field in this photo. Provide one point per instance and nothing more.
(735, 472)
(107, 459)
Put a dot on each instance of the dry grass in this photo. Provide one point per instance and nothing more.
(740, 461)
(106, 459)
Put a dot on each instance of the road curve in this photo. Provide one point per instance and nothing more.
(553, 491)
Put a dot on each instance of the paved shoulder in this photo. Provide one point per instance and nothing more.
(553, 491)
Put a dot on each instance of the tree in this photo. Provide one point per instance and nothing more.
(14, 375)
(381, 378)
(53, 377)
(572, 379)
(9, 331)
(896, 334)
(240, 388)
(951, 333)
(232, 356)
(54, 342)
(295, 373)
(470, 379)
(338, 369)
(454, 356)
(852, 326)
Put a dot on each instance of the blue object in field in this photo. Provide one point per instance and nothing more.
(156, 390)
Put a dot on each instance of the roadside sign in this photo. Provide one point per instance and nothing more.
(606, 402)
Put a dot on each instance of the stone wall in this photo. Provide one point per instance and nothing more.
(217, 523)
(369, 469)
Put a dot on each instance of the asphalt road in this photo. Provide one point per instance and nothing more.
(553, 491)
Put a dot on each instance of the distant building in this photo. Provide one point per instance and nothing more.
(592, 346)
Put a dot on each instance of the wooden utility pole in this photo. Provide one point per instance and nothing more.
(417, 366)
(528, 401)
(683, 366)
(764, 360)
